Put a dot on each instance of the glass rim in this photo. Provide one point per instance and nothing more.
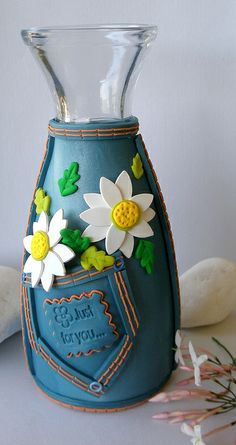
(93, 27)
(29, 34)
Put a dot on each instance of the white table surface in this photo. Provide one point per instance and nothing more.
(28, 418)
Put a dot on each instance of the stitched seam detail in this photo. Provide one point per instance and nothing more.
(71, 378)
(28, 321)
(96, 133)
(118, 364)
(128, 299)
(115, 360)
(164, 210)
(94, 130)
(91, 410)
(87, 274)
(127, 345)
(124, 303)
(79, 354)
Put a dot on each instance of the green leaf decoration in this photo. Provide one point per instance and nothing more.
(145, 254)
(137, 167)
(74, 240)
(67, 184)
(42, 201)
(96, 258)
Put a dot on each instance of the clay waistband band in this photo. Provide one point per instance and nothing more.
(118, 129)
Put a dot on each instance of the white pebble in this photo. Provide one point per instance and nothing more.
(208, 292)
(9, 302)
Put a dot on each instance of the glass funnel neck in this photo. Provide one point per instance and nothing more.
(91, 69)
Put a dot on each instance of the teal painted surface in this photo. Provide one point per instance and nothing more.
(150, 360)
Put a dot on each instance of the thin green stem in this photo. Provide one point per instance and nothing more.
(226, 410)
(225, 387)
(216, 361)
(225, 349)
(219, 398)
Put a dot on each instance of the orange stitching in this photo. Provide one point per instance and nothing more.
(71, 378)
(73, 280)
(165, 213)
(124, 303)
(94, 130)
(28, 280)
(118, 364)
(78, 279)
(85, 276)
(81, 271)
(96, 135)
(114, 362)
(91, 410)
(28, 321)
(78, 355)
(22, 325)
(127, 297)
(78, 297)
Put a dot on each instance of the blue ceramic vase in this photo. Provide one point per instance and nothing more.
(99, 332)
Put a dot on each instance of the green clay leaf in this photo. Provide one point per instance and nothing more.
(145, 254)
(96, 258)
(137, 167)
(42, 201)
(67, 184)
(74, 240)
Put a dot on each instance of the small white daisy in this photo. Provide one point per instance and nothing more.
(47, 256)
(194, 433)
(197, 362)
(118, 216)
(178, 353)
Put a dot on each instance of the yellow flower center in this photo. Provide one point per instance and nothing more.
(125, 214)
(40, 245)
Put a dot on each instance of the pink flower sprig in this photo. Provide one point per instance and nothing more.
(208, 368)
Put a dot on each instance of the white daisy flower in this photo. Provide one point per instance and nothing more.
(197, 362)
(47, 256)
(178, 353)
(118, 216)
(194, 432)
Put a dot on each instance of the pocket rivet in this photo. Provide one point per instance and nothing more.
(95, 386)
(119, 264)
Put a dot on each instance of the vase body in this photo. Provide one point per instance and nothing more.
(115, 349)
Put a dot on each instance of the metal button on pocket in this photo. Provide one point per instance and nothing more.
(95, 387)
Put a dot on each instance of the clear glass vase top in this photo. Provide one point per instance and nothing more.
(91, 70)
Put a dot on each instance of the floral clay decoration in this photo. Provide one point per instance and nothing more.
(118, 216)
(145, 254)
(67, 184)
(47, 255)
(42, 201)
(92, 257)
(137, 167)
(74, 240)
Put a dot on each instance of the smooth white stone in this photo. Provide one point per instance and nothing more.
(9, 302)
(208, 292)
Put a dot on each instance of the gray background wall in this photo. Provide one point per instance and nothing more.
(185, 100)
